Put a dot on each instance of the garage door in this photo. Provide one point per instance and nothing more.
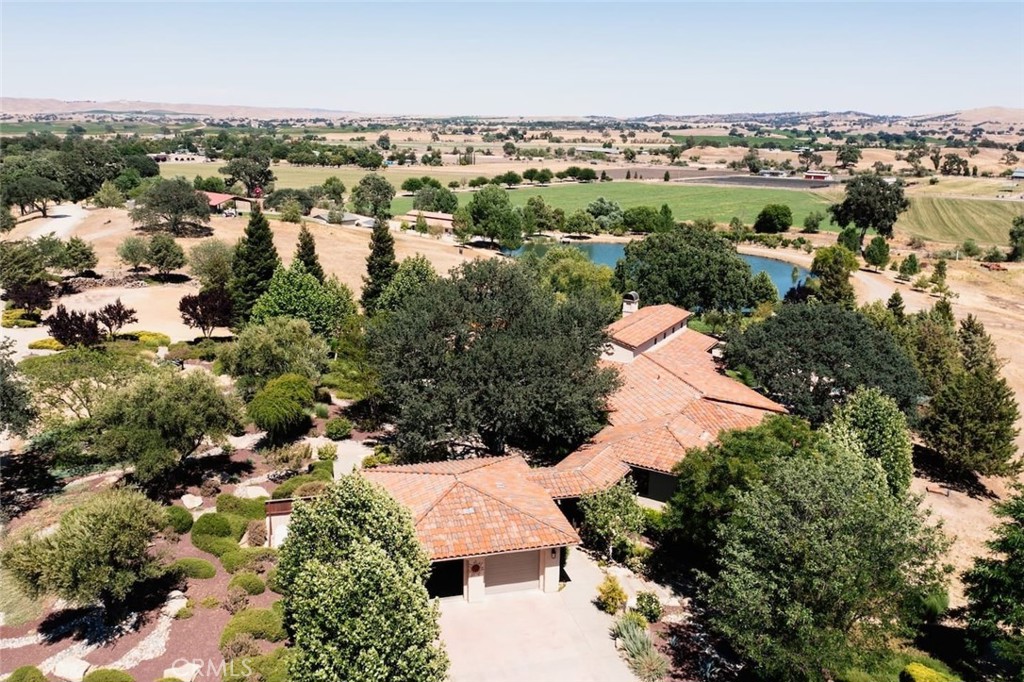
(511, 572)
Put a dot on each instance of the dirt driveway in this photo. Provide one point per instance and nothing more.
(534, 636)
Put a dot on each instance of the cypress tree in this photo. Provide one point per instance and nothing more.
(254, 264)
(380, 265)
(305, 252)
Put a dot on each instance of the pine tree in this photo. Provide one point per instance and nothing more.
(976, 345)
(305, 252)
(255, 261)
(896, 307)
(380, 266)
(970, 422)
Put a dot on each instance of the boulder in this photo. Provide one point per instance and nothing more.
(173, 605)
(71, 669)
(186, 672)
(251, 492)
(192, 501)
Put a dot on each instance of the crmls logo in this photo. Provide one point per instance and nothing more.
(216, 670)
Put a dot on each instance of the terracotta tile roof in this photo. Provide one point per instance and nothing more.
(648, 390)
(591, 468)
(640, 327)
(477, 506)
(215, 199)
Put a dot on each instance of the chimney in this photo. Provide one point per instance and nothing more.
(630, 303)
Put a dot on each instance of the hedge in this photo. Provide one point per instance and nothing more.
(246, 558)
(200, 569)
(265, 624)
(180, 519)
(27, 673)
(250, 582)
(108, 675)
(250, 509)
(287, 489)
(212, 544)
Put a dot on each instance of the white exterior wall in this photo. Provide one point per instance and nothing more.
(550, 568)
(621, 354)
(473, 582)
(277, 529)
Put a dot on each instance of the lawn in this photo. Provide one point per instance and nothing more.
(688, 202)
(987, 221)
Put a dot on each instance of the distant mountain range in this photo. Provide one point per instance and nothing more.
(23, 106)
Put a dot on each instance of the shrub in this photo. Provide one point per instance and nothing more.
(27, 673)
(217, 524)
(186, 612)
(611, 598)
(246, 558)
(279, 407)
(649, 606)
(289, 456)
(321, 410)
(265, 624)
(327, 452)
(48, 343)
(213, 544)
(918, 672)
(241, 646)
(209, 602)
(649, 666)
(631, 620)
(249, 509)
(250, 582)
(288, 488)
(210, 487)
(108, 675)
(236, 601)
(933, 606)
(257, 533)
(179, 518)
(338, 428)
(311, 489)
(18, 317)
(200, 569)
(272, 583)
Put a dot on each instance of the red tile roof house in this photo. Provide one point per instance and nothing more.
(494, 525)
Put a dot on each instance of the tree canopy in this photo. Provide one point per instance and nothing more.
(252, 171)
(380, 266)
(294, 292)
(19, 412)
(373, 196)
(689, 268)
(278, 346)
(254, 264)
(172, 205)
(413, 275)
(857, 561)
(810, 357)
(490, 356)
(494, 218)
(870, 203)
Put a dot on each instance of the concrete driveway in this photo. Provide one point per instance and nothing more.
(534, 636)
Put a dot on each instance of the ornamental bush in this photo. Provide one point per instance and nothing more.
(774, 218)
(611, 598)
(918, 672)
(265, 624)
(649, 606)
(247, 558)
(180, 519)
(200, 569)
(212, 524)
(108, 675)
(279, 407)
(250, 509)
(338, 428)
(250, 582)
(27, 673)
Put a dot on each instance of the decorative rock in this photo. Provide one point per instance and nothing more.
(174, 605)
(251, 492)
(186, 672)
(71, 669)
(175, 594)
(192, 501)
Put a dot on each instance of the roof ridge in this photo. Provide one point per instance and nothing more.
(676, 375)
(437, 501)
(516, 509)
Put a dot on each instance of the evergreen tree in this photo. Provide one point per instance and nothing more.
(255, 261)
(380, 266)
(305, 253)
(995, 586)
(976, 345)
(896, 306)
(970, 422)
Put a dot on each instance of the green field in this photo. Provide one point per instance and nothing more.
(91, 128)
(987, 221)
(688, 202)
(728, 140)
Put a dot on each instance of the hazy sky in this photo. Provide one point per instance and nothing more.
(522, 58)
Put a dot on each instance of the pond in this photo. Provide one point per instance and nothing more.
(604, 253)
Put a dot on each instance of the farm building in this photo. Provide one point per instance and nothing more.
(220, 202)
(772, 173)
(349, 219)
(432, 218)
(1018, 174)
(820, 175)
(493, 524)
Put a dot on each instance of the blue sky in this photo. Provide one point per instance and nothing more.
(523, 58)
